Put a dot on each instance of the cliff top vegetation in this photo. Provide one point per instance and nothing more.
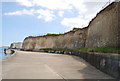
(53, 34)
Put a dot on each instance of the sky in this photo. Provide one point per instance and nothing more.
(22, 18)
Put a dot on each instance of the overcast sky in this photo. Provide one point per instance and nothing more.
(21, 18)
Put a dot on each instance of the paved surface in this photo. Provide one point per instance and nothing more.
(34, 65)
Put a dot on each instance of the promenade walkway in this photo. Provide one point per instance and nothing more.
(38, 65)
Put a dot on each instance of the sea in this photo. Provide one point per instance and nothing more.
(3, 55)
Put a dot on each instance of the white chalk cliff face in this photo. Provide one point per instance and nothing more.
(73, 39)
(102, 31)
(16, 45)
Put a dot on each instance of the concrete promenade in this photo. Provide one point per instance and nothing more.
(38, 65)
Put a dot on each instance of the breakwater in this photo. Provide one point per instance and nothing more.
(6, 53)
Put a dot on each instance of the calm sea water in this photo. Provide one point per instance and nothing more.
(2, 54)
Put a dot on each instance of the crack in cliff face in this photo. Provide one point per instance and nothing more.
(100, 32)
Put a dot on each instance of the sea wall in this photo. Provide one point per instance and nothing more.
(108, 63)
(102, 31)
(73, 39)
(16, 45)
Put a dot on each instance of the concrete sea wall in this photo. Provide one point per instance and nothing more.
(107, 62)
(102, 31)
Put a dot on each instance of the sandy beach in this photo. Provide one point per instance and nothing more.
(38, 65)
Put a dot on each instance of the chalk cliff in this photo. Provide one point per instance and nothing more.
(16, 45)
(103, 30)
(73, 39)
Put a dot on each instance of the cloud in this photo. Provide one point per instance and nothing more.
(85, 10)
(74, 22)
(60, 13)
(59, 4)
(46, 15)
(27, 3)
(83, 7)
(54, 4)
(21, 12)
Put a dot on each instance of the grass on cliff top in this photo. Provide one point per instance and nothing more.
(53, 34)
(101, 49)
(50, 34)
